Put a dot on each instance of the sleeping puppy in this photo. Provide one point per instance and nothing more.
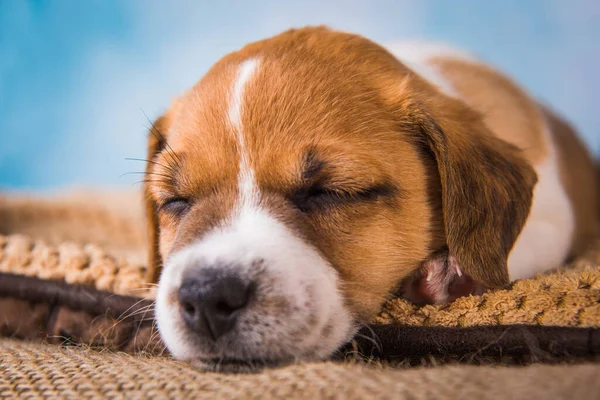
(307, 177)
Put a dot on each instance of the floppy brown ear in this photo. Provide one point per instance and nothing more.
(156, 142)
(487, 189)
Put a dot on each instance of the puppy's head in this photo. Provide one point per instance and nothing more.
(294, 187)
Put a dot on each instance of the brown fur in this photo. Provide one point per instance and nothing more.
(347, 103)
(505, 108)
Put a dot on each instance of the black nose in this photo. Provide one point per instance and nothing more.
(211, 302)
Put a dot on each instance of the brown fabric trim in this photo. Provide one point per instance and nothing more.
(82, 312)
(59, 313)
(510, 343)
(76, 297)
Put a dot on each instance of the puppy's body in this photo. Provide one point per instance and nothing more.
(310, 175)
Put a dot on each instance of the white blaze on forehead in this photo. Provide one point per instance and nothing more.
(246, 184)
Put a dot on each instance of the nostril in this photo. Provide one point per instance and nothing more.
(190, 303)
(234, 294)
(188, 308)
(224, 308)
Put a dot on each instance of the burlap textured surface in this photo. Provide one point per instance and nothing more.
(41, 371)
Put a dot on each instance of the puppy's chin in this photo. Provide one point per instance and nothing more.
(296, 313)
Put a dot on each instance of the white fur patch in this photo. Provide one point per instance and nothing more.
(416, 56)
(546, 239)
(246, 185)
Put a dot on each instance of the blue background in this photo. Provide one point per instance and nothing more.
(75, 75)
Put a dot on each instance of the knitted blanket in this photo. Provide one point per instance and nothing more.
(72, 273)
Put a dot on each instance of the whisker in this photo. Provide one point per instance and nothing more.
(149, 173)
(150, 180)
(139, 311)
(374, 339)
(121, 318)
(155, 341)
(161, 137)
(368, 339)
(169, 167)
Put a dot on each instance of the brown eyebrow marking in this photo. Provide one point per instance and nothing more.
(317, 193)
(312, 165)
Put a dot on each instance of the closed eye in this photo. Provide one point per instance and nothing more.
(317, 197)
(176, 206)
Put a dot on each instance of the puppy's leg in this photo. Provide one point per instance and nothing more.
(440, 280)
